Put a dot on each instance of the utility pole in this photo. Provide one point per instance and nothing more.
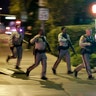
(43, 13)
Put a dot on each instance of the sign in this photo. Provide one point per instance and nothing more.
(43, 14)
(24, 16)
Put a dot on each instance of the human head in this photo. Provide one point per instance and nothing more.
(19, 29)
(41, 32)
(88, 31)
(63, 29)
(29, 28)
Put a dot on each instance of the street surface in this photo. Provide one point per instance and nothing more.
(15, 83)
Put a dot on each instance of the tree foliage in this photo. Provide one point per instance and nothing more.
(61, 12)
(17, 7)
(14, 7)
(67, 12)
(78, 30)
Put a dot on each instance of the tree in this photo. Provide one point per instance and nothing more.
(66, 12)
(17, 6)
(14, 7)
(32, 12)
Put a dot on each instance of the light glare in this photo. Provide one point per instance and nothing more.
(94, 8)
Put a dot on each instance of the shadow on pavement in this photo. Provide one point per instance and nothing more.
(78, 80)
(51, 84)
(19, 76)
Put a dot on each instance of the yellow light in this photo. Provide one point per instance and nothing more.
(94, 8)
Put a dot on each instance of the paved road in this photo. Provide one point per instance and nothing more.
(57, 85)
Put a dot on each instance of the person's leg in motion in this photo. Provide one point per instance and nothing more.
(67, 58)
(59, 58)
(37, 61)
(44, 68)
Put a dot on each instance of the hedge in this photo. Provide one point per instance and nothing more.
(75, 32)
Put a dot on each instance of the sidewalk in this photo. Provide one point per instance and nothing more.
(56, 85)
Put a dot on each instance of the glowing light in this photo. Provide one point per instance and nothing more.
(94, 8)
(8, 32)
(7, 28)
(21, 30)
(18, 22)
(13, 30)
(10, 18)
(0, 8)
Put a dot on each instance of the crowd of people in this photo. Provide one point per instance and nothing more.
(41, 46)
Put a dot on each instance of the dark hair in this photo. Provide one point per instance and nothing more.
(40, 30)
(63, 28)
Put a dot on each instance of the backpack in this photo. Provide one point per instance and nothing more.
(92, 48)
(17, 40)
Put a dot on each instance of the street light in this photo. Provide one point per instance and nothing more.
(94, 12)
(0, 8)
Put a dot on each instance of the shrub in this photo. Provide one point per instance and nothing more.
(76, 59)
(93, 60)
(75, 32)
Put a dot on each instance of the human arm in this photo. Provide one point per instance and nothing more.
(83, 43)
(34, 39)
(28, 33)
(61, 38)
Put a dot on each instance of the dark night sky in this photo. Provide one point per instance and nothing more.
(4, 4)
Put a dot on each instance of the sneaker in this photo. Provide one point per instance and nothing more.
(69, 72)
(75, 73)
(17, 67)
(8, 58)
(44, 78)
(90, 77)
(27, 73)
(54, 71)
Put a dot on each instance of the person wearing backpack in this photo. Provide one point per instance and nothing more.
(41, 44)
(16, 40)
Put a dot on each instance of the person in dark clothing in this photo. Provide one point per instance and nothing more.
(28, 35)
(85, 53)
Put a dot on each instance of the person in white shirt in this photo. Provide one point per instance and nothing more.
(63, 47)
